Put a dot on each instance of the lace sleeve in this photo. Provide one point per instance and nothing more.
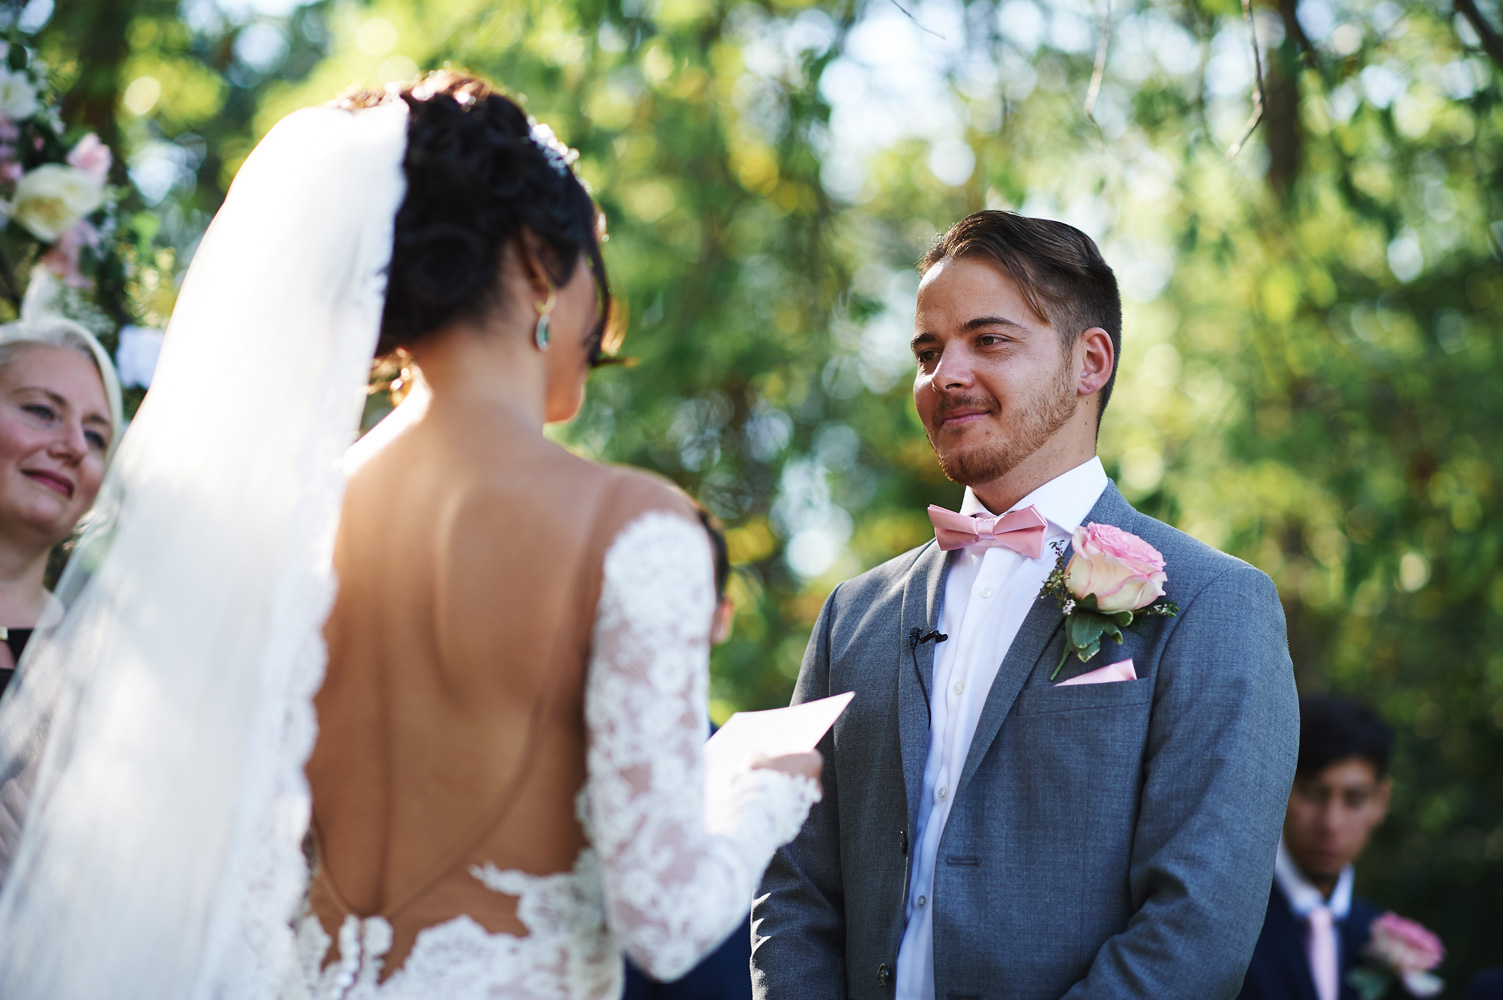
(677, 880)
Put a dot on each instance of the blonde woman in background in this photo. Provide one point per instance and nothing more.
(59, 416)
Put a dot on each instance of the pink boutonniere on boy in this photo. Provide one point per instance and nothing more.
(1112, 580)
(1403, 950)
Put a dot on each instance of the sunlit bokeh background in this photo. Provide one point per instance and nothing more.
(1311, 365)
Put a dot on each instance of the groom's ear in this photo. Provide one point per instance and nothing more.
(1094, 358)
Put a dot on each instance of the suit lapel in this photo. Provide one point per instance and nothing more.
(1355, 933)
(922, 592)
(1038, 629)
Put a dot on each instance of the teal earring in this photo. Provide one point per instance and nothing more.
(540, 333)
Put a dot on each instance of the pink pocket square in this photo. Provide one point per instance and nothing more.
(1110, 674)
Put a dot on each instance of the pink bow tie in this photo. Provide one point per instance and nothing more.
(1019, 530)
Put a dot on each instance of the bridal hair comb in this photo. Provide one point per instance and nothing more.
(559, 156)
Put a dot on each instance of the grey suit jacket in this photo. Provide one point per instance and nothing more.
(1112, 840)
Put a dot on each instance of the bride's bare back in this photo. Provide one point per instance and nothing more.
(508, 784)
(451, 726)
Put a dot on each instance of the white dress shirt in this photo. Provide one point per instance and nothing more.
(1304, 897)
(988, 593)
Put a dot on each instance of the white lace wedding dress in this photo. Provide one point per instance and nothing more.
(165, 725)
(665, 878)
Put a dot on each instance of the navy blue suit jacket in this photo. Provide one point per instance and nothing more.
(724, 975)
(1280, 968)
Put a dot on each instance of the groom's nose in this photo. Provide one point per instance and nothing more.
(954, 368)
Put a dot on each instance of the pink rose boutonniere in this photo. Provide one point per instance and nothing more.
(1113, 579)
(1403, 950)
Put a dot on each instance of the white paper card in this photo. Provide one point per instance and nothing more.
(747, 736)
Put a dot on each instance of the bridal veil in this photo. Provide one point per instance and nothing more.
(161, 731)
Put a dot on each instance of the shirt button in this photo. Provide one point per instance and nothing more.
(943, 791)
(959, 686)
(986, 592)
(922, 900)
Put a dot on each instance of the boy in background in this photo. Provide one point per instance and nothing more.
(1316, 930)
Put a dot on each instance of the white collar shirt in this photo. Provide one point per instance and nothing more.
(1304, 897)
(988, 592)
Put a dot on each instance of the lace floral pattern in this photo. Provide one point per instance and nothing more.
(664, 878)
(567, 952)
(676, 881)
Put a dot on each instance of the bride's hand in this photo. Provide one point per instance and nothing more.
(810, 764)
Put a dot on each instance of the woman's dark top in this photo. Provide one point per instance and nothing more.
(16, 639)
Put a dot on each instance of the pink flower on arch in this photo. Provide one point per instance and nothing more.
(63, 259)
(92, 157)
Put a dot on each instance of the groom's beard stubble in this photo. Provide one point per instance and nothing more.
(1027, 432)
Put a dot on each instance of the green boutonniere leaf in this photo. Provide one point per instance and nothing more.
(1369, 983)
(1084, 627)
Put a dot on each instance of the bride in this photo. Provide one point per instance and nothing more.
(504, 780)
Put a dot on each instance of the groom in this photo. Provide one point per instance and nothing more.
(987, 832)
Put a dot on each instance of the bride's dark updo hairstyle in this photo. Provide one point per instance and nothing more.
(478, 175)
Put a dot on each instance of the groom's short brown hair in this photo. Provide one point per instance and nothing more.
(1057, 267)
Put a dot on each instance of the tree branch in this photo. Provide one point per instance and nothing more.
(909, 14)
(1096, 74)
(1260, 98)
(1492, 42)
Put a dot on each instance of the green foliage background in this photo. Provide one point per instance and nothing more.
(1310, 374)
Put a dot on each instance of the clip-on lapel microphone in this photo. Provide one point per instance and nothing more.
(917, 636)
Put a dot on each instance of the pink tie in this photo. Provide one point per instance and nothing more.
(1322, 945)
(1019, 530)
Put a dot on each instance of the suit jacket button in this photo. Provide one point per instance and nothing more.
(882, 975)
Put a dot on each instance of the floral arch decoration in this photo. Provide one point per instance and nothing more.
(63, 248)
